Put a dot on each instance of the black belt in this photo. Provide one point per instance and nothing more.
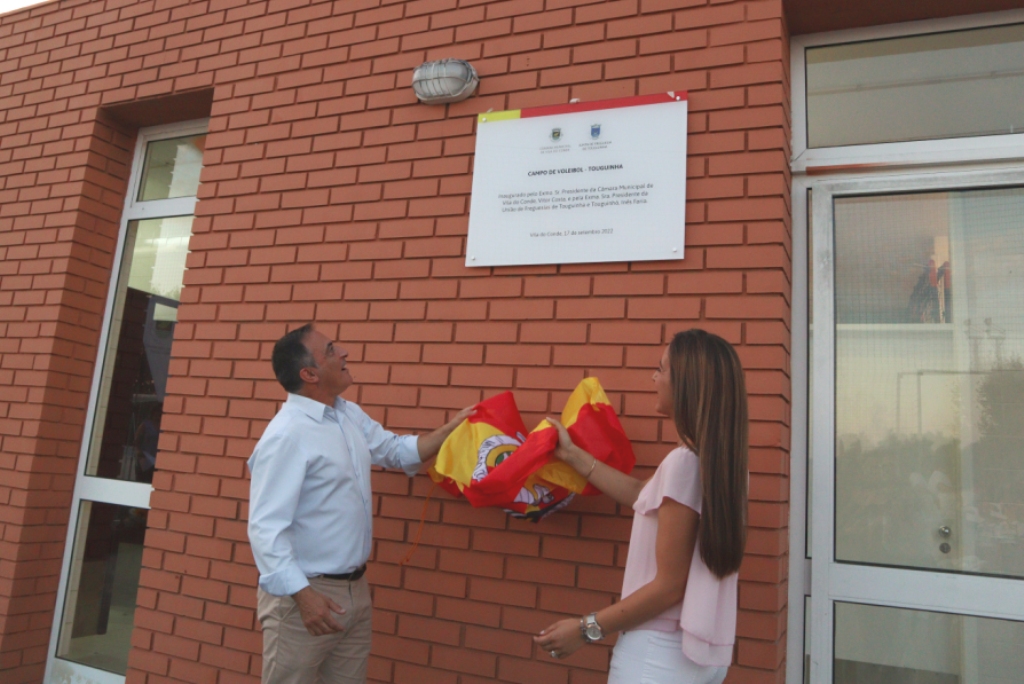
(350, 576)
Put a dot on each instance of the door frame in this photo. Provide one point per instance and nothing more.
(831, 580)
(106, 490)
(817, 168)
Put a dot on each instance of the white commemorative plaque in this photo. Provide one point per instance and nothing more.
(579, 183)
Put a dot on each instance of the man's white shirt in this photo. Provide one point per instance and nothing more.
(310, 506)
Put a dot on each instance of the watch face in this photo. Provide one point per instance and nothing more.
(594, 632)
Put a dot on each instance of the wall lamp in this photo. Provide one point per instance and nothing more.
(446, 80)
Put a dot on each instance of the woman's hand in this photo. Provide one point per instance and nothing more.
(565, 450)
(619, 486)
(562, 638)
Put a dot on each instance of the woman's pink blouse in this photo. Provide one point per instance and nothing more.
(707, 613)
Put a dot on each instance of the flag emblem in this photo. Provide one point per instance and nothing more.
(595, 131)
(492, 461)
(493, 451)
(556, 134)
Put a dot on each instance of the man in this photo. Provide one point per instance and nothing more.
(310, 514)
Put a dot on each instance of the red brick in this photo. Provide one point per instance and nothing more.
(574, 36)
(526, 671)
(503, 592)
(464, 660)
(746, 32)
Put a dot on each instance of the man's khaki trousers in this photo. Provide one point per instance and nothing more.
(291, 655)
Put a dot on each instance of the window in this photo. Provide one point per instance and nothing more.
(924, 87)
(103, 559)
(882, 645)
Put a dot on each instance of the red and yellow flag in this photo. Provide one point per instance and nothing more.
(492, 462)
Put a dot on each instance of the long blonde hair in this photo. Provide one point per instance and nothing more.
(709, 399)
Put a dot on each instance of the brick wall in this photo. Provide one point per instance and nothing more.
(62, 182)
(328, 193)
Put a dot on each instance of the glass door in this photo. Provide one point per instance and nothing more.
(103, 558)
(918, 442)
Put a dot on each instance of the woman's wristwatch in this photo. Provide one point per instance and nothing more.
(589, 629)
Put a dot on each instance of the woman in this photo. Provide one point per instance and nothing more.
(677, 614)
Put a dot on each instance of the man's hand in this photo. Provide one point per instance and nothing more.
(459, 417)
(429, 445)
(316, 610)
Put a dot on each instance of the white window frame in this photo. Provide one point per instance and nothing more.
(854, 169)
(97, 489)
(799, 564)
(867, 157)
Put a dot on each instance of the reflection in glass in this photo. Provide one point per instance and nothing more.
(99, 607)
(134, 380)
(875, 645)
(172, 167)
(930, 380)
(942, 85)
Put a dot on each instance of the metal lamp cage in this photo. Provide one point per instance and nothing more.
(446, 80)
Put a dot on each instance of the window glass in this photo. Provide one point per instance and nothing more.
(876, 645)
(930, 380)
(135, 371)
(943, 85)
(99, 608)
(172, 167)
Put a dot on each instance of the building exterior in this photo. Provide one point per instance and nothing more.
(321, 189)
